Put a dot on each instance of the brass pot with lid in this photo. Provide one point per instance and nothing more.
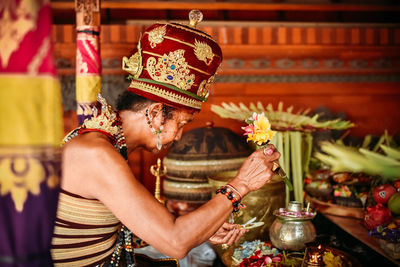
(292, 228)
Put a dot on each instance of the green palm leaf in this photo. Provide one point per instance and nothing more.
(280, 119)
(345, 158)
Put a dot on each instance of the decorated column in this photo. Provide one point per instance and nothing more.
(30, 133)
(88, 63)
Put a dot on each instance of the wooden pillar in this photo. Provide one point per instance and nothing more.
(88, 61)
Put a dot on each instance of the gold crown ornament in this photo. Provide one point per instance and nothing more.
(174, 64)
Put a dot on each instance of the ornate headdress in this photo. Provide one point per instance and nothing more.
(174, 64)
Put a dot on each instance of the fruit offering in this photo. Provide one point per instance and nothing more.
(383, 193)
(376, 216)
(394, 204)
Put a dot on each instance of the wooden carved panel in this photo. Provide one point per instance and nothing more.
(86, 10)
(268, 48)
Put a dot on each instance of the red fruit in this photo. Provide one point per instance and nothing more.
(375, 216)
(383, 193)
(397, 184)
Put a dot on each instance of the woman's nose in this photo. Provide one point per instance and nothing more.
(178, 135)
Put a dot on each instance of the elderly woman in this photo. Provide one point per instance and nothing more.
(171, 73)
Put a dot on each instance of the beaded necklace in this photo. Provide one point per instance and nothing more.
(109, 123)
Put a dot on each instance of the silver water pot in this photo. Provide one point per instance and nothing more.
(292, 228)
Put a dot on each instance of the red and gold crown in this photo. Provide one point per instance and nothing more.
(175, 64)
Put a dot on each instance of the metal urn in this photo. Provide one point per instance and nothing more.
(292, 228)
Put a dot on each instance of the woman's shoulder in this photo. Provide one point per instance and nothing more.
(89, 144)
(87, 162)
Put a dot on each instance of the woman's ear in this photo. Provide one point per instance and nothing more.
(156, 114)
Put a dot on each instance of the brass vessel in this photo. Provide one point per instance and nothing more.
(292, 228)
(260, 204)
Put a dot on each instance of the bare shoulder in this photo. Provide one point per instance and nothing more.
(89, 144)
(88, 160)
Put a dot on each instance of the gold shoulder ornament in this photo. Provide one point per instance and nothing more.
(104, 121)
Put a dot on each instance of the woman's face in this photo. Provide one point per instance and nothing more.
(173, 126)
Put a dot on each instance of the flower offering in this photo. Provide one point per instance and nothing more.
(256, 253)
(258, 129)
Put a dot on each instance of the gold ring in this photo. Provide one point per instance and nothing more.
(276, 167)
(225, 246)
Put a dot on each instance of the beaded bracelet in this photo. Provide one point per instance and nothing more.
(232, 196)
(236, 191)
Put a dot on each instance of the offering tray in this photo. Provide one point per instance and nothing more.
(227, 257)
(294, 258)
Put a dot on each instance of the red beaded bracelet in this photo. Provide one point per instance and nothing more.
(231, 195)
(236, 191)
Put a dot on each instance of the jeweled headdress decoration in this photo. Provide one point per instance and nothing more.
(174, 64)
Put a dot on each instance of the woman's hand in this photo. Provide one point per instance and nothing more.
(227, 234)
(256, 170)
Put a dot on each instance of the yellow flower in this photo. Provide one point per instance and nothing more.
(261, 129)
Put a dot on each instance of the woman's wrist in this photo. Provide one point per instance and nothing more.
(240, 186)
(236, 192)
(233, 195)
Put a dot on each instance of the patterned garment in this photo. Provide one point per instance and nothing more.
(85, 231)
(30, 133)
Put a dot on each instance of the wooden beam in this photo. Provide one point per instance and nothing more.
(176, 5)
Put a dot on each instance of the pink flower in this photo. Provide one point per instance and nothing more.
(249, 129)
(276, 259)
(254, 117)
(267, 260)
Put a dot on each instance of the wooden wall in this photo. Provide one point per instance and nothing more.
(353, 68)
